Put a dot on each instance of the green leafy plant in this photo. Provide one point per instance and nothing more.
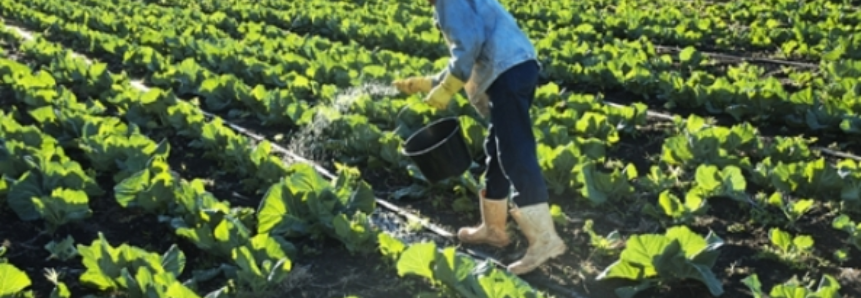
(357, 233)
(305, 204)
(217, 231)
(793, 210)
(828, 288)
(121, 267)
(261, 263)
(679, 254)
(845, 224)
(63, 250)
(699, 144)
(682, 212)
(557, 164)
(125, 154)
(146, 283)
(604, 245)
(61, 290)
(815, 178)
(457, 273)
(13, 281)
(659, 180)
(712, 181)
(55, 189)
(790, 249)
(150, 188)
(600, 187)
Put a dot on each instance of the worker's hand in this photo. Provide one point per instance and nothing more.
(413, 85)
(441, 94)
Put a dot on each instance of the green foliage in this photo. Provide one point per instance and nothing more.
(792, 249)
(129, 268)
(283, 65)
(828, 288)
(63, 250)
(305, 204)
(457, 273)
(54, 188)
(604, 245)
(845, 224)
(261, 262)
(12, 280)
(679, 254)
(150, 188)
(600, 187)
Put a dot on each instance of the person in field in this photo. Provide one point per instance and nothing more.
(494, 61)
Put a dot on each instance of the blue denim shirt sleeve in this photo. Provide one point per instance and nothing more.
(463, 27)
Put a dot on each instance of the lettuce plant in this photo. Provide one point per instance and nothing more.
(676, 255)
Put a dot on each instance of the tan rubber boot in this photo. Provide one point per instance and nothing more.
(544, 243)
(494, 214)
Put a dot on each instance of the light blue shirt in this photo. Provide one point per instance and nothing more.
(484, 41)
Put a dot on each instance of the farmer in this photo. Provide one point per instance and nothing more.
(495, 62)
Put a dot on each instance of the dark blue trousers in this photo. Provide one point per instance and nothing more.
(510, 144)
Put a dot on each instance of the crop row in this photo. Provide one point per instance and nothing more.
(227, 68)
(818, 116)
(549, 122)
(817, 101)
(298, 202)
(574, 131)
(352, 134)
(138, 166)
(792, 29)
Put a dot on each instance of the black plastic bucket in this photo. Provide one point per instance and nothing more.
(439, 150)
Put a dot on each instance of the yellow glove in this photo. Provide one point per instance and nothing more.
(441, 94)
(413, 85)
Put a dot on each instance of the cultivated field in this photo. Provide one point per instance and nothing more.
(232, 148)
